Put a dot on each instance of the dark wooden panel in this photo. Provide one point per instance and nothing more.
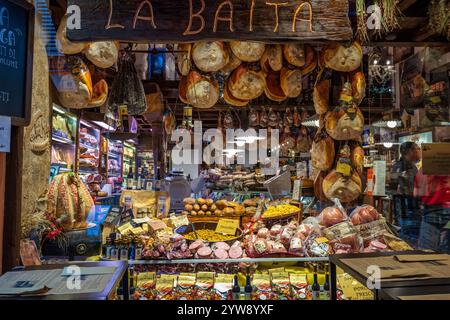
(178, 21)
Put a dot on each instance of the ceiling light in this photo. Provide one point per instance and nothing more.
(392, 124)
(375, 62)
(103, 125)
(388, 145)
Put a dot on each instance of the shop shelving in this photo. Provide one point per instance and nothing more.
(215, 261)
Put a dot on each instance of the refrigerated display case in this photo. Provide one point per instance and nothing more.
(63, 139)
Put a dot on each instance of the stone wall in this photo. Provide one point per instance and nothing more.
(36, 138)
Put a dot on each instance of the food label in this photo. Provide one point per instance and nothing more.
(344, 167)
(321, 240)
(124, 229)
(353, 290)
(227, 226)
(296, 190)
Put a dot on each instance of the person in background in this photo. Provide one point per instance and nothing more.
(407, 211)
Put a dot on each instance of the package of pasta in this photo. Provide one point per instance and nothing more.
(185, 289)
(281, 285)
(262, 287)
(204, 286)
(223, 285)
(164, 289)
(299, 287)
(145, 287)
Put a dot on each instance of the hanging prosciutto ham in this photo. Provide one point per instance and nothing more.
(345, 122)
(253, 118)
(183, 58)
(210, 56)
(343, 58)
(346, 189)
(322, 151)
(273, 88)
(232, 64)
(294, 53)
(232, 100)
(291, 82)
(103, 54)
(359, 87)
(321, 96)
(310, 61)
(201, 92)
(272, 59)
(246, 84)
(248, 51)
(357, 159)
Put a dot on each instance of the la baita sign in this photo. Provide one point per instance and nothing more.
(193, 20)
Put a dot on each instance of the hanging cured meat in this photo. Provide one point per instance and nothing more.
(248, 51)
(341, 58)
(210, 56)
(273, 88)
(183, 58)
(228, 121)
(253, 118)
(272, 59)
(169, 122)
(103, 54)
(344, 125)
(294, 53)
(273, 119)
(303, 142)
(232, 100)
(318, 183)
(75, 89)
(321, 96)
(287, 142)
(201, 92)
(182, 87)
(346, 189)
(63, 44)
(69, 201)
(246, 84)
(357, 159)
(99, 94)
(359, 87)
(345, 122)
(291, 82)
(310, 61)
(264, 119)
(288, 119)
(127, 89)
(296, 118)
(232, 64)
(322, 151)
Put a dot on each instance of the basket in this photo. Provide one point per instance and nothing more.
(210, 225)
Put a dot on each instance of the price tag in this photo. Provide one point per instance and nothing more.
(5, 134)
(344, 167)
(227, 226)
(447, 226)
(296, 190)
(353, 290)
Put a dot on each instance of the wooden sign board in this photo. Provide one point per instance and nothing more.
(16, 60)
(194, 20)
(436, 159)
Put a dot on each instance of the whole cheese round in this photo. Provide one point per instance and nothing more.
(248, 51)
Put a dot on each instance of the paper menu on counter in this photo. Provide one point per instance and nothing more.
(23, 282)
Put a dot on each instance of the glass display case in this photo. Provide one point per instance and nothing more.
(89, 149)
(63, 139)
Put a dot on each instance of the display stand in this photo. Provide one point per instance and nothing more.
(118, 278)
(337, 261)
